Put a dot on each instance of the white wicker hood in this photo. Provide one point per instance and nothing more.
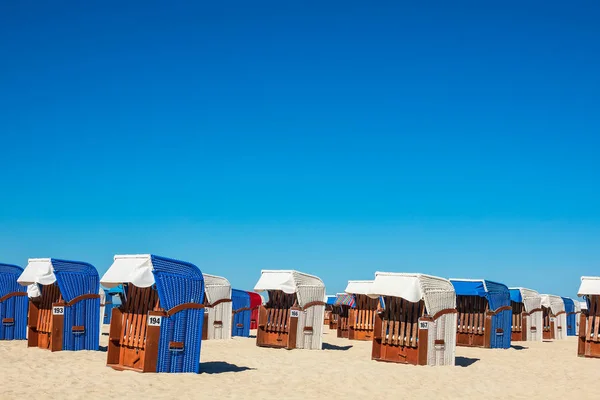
(359, 287)
(38, 270)
(216, 288)
(308, 288)
(437, 293)
(590, 285)
(135, 269)
(555, 303)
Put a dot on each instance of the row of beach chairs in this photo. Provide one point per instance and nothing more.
(166, 307)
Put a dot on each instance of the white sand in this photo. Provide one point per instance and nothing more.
(237, 369)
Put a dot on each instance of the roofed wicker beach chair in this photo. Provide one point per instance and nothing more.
(344, 302)
(527, 315)
(329, 302)
(64, 305)
(484, 313)
(240, 300)
(158, 327)
(218, 316)
(589, 320)
(13, 304)
(293, 316)
(255, 302)
(361, 318)
(417, 324)
(554, 317)
(571, 316)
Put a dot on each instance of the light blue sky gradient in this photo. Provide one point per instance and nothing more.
(459, 139)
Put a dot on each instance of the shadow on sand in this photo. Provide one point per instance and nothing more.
(517, 347)
(465, 361)
(219, 367)
(103, 349)
(327, 346)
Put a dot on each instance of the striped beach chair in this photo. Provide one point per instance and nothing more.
(554, 317)
(361, 318)
(218, 315)
(240, 300)
(417, 322)
(484, 313)
(293, 316)
(526, 314)
(13, 304)
(589, 321)
(329, 302)
(64, 305)
(159, 325)
(344, 302)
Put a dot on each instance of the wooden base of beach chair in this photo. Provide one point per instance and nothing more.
(519, 322)
(474, 323)
(333, 322)
(548, 322)
(521, 334)
(133, 341)
(362, 318)
(589, 330)
(342, 327)
(276, 326)
(327, 317)
(46, 320)
(354, 334)
(397, 335)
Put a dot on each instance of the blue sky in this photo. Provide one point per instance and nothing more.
(459, 140)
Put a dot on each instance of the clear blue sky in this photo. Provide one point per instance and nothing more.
(459, 139)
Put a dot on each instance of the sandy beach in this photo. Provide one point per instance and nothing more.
(237, 369)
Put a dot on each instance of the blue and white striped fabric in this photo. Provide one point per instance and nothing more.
(14, 307)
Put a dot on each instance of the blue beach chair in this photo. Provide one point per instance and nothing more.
(66, 314)
(13, 304)
(158, 328)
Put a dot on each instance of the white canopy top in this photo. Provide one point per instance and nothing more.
(308, 288)
(531, 299)
(38, 270)
(216, 288)
(555, 303)
(359, 287)
(590, 285)
(135, 269)
(437, 293)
